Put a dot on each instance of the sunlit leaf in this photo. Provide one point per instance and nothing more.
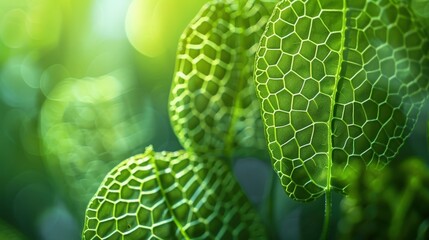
(171, 195)
(192, 193)
(213, 107)
(30, 24)
(340, 82)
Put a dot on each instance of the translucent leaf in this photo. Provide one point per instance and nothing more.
(213, 109)
(212, 104)
(340, 83)
(171, 196)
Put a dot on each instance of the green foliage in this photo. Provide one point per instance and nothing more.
(171, 195)
(340, 86)
(213, 112)
(212, 105)
(341, 83)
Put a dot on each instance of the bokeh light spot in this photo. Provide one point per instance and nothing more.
(143, 27)
(51, 76)
(15, 89)
(109, 18)
(88, 125)
(13, 28)
(44, 21)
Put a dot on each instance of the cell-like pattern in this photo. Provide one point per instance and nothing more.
(192, 194)
(341, 83)
(171, 195)
(213, 108)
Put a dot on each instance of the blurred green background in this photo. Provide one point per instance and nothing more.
(84, 84)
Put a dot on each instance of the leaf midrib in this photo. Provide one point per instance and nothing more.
(242, 78)
(164, 195)
(334, 98)
(236, 105)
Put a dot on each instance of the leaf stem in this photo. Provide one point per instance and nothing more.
(328, 212)
(271, 203)
(267, 210)
(272, 197)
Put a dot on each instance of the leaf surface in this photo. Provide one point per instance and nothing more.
(192, 193)
(212, 104)
(171, 195)
(340, 82)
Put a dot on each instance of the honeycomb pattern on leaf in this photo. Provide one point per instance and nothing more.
(171, 195)
(192, 194)
(212, 103)
(340, 83)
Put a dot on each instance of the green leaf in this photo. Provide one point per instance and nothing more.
(171, 196)
(213, 109)
(340, 83)
(212, 104)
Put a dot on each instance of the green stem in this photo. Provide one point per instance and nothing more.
(328, 211)
(268, 209)
(272, 197)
